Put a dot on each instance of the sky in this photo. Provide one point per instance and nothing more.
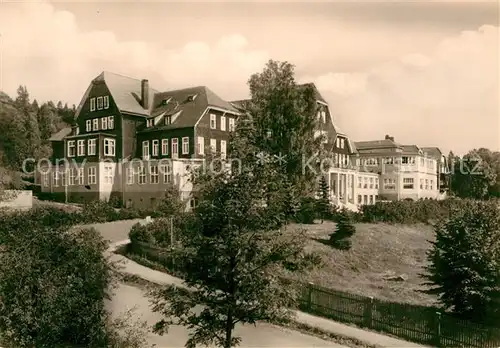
(425, 72)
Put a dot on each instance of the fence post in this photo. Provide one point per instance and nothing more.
(368, 313)
(309, 295)
(437, 329)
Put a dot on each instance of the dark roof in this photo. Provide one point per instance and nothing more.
(411, 149)
(59, 136)
(434, 152)
(189, 110)
(376, 144)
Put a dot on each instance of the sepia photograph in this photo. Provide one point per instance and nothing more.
(254, 174)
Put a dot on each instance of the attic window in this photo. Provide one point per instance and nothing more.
(168, 120)
(150, 122)
(166, 101)
(191, 97)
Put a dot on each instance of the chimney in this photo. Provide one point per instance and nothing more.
(145, 94)
(387, 137)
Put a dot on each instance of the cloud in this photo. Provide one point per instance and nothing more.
(448, 98)
(44, 49)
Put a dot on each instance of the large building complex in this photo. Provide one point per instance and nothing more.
(131, 142)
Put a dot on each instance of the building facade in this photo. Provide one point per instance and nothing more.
(132, 142)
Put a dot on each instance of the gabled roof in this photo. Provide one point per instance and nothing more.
(433, 152)
(316, 91)
(59, 136)
(126, 92)
(376, 144)
(190, 109)
(411, 149)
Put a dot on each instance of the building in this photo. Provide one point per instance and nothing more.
(131, 142)
(405, 171)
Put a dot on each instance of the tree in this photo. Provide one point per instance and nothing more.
(464, 269)
(324, 200)
(474, 175)
(232, 264)
(345, 230)
(284, 118)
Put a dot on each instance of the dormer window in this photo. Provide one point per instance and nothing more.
(191, 98)
(166, 101)
(150, 123)
(168, 120)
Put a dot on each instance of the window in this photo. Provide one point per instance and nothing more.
(360, 179)
(92, 104)
(213, 121)
(426, 184)
(55, 178)
(407, 183)
(371, 199)
(376, 183)
(155, 147)
(166, 170)
(95, 124)
(185, 146)
(360, 199)
(130, 175)
(223, 149)
(164, 147)
(153, 172)
(421, 184)
(63, 179)
(142, 175)
(45, 179)
(104, 123)
(99, 103)
(150, 122)
(92, 175)
(405, 160)
(81, 147)
(389, 184)
(231, 124)
(213, 145)
(365, 199)
(431, 185)
(371, 183)
(109, 147)
(175, 147)
(323, 116)
(193, 202)
(111, 122)
(106, 101)
(72, 174)
(168, 120)
(200, 146)
(108, 174)
(389, 160)
(81, 176)
(223, 123)
(91, 147)
(71, 148)
(88, 125)
(365, 184)
(145, 149)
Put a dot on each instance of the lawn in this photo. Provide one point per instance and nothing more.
(378, 251)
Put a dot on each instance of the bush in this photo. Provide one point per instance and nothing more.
(345, 230)
(307, 211)
(464, 265)
(99, 211)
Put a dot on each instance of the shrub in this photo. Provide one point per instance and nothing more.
(140, 233)
(464, 265)
(345, 230)
(99, 211)
(307, 211)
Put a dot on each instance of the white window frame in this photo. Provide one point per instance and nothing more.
(223, 149)
(164, 147)
(109, 144)
(92, 104)
(223, 123)
(154, 175)
(55, 178)
(80, 147)
(92, 147)
(92, 175)
(72, 176)
(166, 170)
(231, 124)
(45, 179)
(213, 145)
(185, 145)
(145, 149)
(141, 178)
(111, 122)
(95, 124)
(81, 176)
(99, 103)
(106, 101)
(155, 147)
(71, 148)
(213, 121)
(130, 175)
(108, 174)
(175, 147)
(200, 144)
(88, 125)
(104, 123)
(323, 116)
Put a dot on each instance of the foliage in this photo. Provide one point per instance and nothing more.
(307, 211)
(345, 230)
(171, 204)
(231, 264)
(464, 265)
(323, 204)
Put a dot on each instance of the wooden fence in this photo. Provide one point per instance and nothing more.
(419, 324)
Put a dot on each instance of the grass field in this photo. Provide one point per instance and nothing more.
(378, 250)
